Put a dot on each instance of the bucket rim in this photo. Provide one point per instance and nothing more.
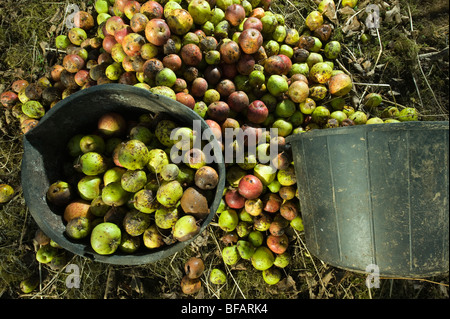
(28, 167)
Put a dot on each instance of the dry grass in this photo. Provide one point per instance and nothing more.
(399, 73)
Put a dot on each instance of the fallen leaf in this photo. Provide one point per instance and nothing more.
(330, 12)
(394, 15)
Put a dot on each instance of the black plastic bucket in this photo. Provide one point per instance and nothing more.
(45, 145)
(376, 196)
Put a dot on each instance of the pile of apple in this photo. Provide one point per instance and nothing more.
(120, 188)
(238, 65)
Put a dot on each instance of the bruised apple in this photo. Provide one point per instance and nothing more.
(157, 32)
(250, 40)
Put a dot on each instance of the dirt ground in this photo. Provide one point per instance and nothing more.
(406, 60)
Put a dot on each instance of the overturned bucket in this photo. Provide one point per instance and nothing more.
(45, 147)
(375, 197)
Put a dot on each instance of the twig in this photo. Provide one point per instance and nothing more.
(372, 84)
(228, 268)
(314, 264)
(429, 86)
(379, 53)
(417, 89)
(433, 55)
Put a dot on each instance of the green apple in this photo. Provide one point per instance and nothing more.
(279, 33)
(256, 78)
(256, 238)
(320, 115)
(277, 85)
(217, 276)
(269, 22)
(89, 187)
(272, 275)
(299, 68)
(285, 108)
(102, 17)
(78, 227)
(282, 260)
(105, 238)
(265, 173)
(129, 244)
(272, 47)
(224, 4)
(166, 77)
(408, 114)
(46, 253)
(62, 42)
(29, 284)
(217, 15)
(101, 6)
(92, 143)
(297, 223)
(113, 174)
(114, 195)
(263, 258)
(358, 117)
(338, 115)
(93, 163)
(292, 37)
(274, 186)
(200, 11)
(287, 50)
(6, 193)
(375, 120)
(284, 127)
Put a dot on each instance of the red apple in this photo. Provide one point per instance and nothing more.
(250, 187)
(272, 202)
(152, 67)
(252, 134)
(132, 44)
(289, 210)
(287, 63)
(225, 88)
(257, 112)
(229, 71)
(108, 43)
(258, 12)
(215, 128)
(138, 22)
(152, 10)
(250, 40)
(82, 77)
(213, 74)
(233, 199)
(122, 31)
(218, 111)
(73, 63)
(253, 23)
(235, 14)
(191, 54)
(173, 62)
(157, 32)
(131, 8)
(275, 64)
(246, 64)
(199, 87)
(112, 24)
(238, 101)
(277, 244)
(229, 52)
(186, 99)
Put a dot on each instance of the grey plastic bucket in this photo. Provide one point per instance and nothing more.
(375, 197)
(45, 145)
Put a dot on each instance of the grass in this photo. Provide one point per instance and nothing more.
(401, 77)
